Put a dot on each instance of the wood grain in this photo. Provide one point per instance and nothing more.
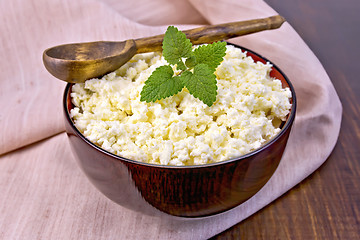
(327, 204)
(212, 33)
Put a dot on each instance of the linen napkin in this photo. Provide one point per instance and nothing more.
(44, 195)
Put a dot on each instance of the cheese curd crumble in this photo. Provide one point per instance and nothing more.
(182, 130)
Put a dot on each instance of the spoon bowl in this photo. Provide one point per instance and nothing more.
(80, 61)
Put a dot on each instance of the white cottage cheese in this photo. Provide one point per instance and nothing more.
(182, 130)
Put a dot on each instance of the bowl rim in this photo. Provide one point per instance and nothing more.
(284, 129)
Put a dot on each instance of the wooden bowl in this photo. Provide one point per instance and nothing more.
(183, 191)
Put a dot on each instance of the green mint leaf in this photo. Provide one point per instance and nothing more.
(190, 62)
(211, 54)
(201, 84)
(181, 66)
(176, 46)
(161, 84)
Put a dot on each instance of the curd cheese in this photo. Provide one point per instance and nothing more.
(182, 130)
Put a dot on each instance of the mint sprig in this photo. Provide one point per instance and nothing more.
(196, 67)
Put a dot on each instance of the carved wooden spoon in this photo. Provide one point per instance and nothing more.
(80, 61)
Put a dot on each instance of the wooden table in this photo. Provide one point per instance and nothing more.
(326, 205)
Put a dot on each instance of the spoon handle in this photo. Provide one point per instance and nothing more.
(212, 33)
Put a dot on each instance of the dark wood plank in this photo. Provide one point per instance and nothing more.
(327, 204)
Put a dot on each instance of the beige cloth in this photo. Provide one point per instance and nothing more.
(44, 195)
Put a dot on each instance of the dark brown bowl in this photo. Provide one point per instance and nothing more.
(183, 191)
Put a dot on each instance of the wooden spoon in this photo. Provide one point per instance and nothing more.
(80, 61)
